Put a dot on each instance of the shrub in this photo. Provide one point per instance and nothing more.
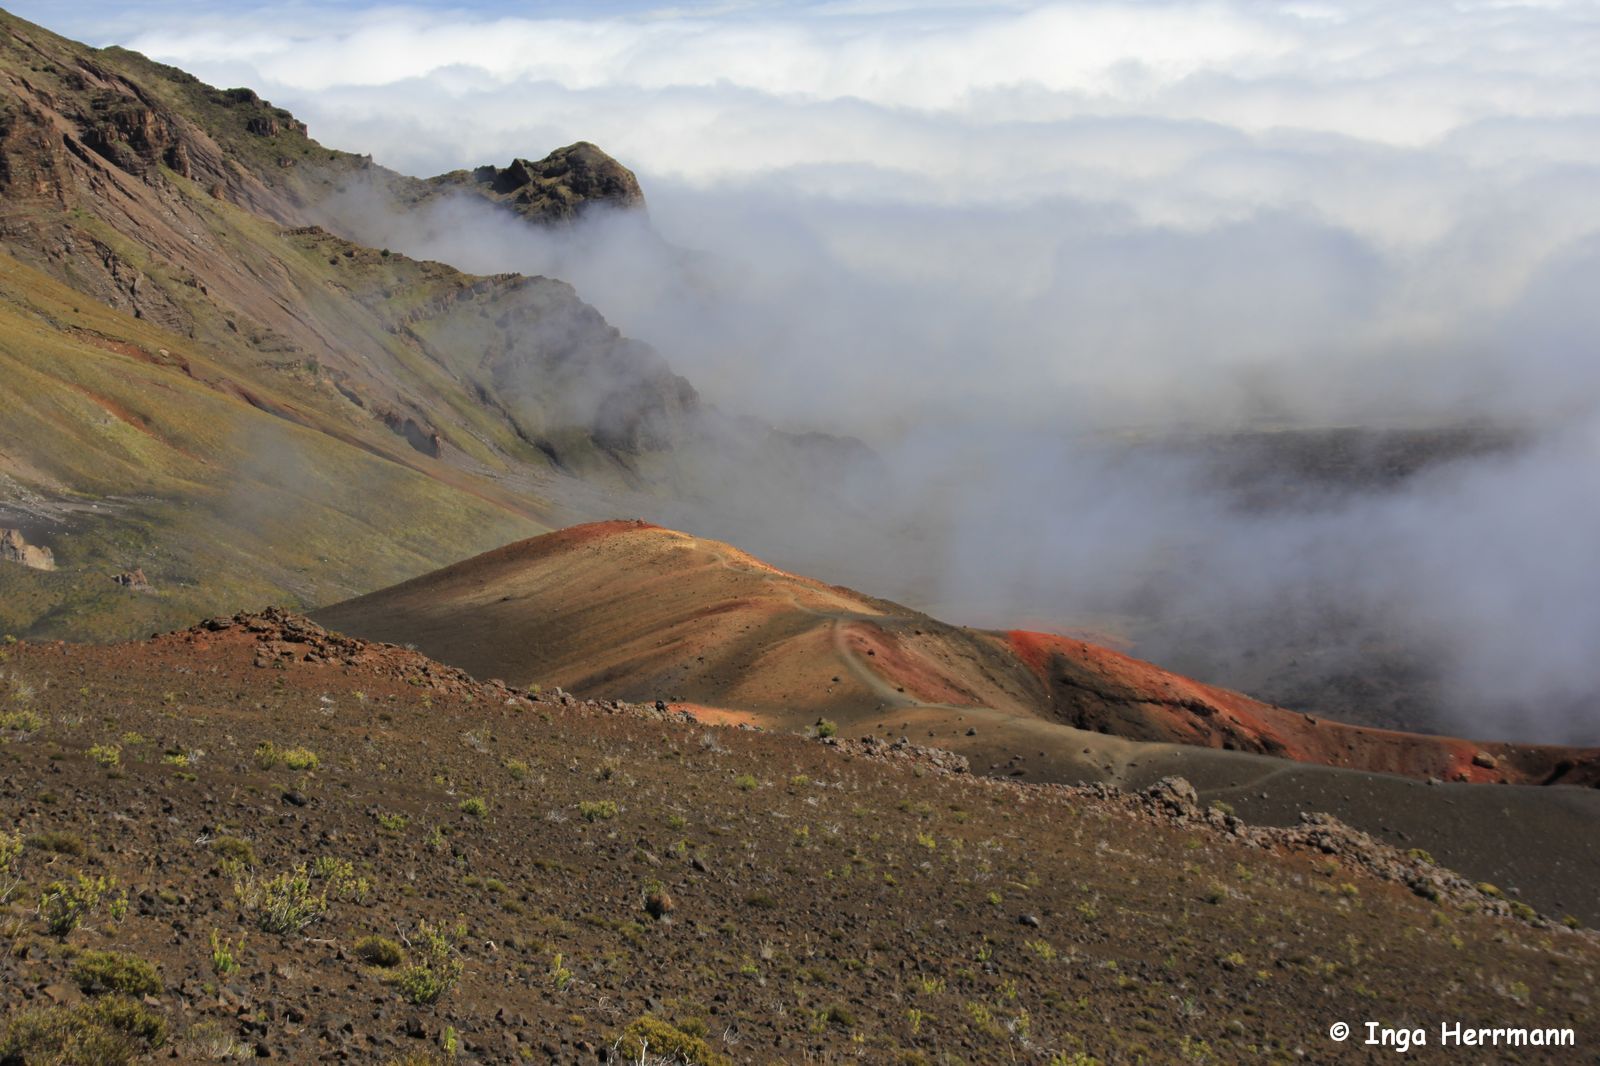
(10, 848)
(596, 810)
(269, 755)
(58, 842)
(657, 902)
(837, 1015)
(301, 759)
(223, 960)
(215, 1042)
(825, 728)
(436, 970)
(475, 807)
(378, 951)
(98, 972)
(648, 1038)
(107, 755)
(21, 721)
(281, 904)
(64, 904)
(392, 823)
(341, 877)
(112, 1031)
(517, 769)
(746, 783)
(235, 849)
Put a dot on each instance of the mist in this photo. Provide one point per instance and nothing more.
(1071, 270)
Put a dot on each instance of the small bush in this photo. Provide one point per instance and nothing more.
(746, 783)
(10, 848)
(235, 849)
(436, 970)
(223, 958)
(517, 769)
(657, 901)
(475, 807)
(64, 904)
(840, 1016)
(392, 823)
(825, 728)
(59, 843)
(281, 904)
(215, 1042)
(98, 972)
(343, 882)
(107, 1032)
(597, 810)
(560, 975)
(378, 951)
(648, 1038)
(269, 755)
(301, 759)
(107, 755)
(21, 721)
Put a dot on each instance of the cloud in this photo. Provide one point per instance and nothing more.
(981, 236)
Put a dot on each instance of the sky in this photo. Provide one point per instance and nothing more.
(979, 232)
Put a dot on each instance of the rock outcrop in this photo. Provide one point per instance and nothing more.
(558, 188)
(14, 548)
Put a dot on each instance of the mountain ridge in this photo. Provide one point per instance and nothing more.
(151, 218)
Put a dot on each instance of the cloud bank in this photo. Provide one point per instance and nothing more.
(990, 239)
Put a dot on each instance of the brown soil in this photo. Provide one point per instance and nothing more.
(827, 900)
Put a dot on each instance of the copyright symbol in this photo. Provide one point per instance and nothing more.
(1339, 1030)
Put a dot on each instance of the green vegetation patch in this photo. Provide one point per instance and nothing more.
(99, 972)
(649, 1039)
(112, 1031)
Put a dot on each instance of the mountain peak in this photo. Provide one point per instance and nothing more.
(557, 188)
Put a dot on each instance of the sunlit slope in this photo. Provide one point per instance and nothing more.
(125, 446)
(634, 611)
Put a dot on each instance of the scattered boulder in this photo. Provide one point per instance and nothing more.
(14, 548)
(133, 580)
(1174, 793)
(1484, 760)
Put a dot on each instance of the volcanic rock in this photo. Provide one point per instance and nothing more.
(14, 548)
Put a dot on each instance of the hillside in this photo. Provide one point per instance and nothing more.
(600, 874)
(639, 612)
(204, 386)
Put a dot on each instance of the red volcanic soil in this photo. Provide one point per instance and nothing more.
(1106, 691)
(633, 611)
